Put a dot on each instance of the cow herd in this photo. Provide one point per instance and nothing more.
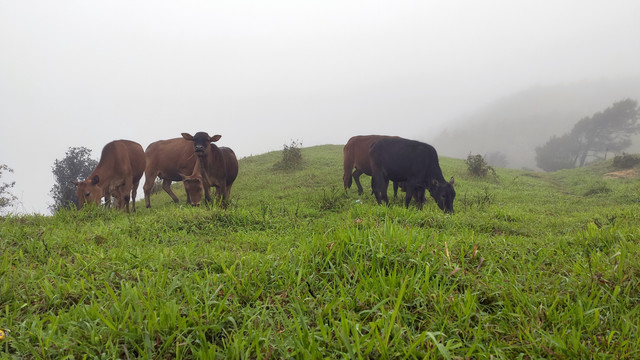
(200, 164)
(195, 160)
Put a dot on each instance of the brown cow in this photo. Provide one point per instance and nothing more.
(356, 154)
(218, 166)
(118, 174)
(169, 160)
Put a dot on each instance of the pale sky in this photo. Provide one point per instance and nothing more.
(264, 73)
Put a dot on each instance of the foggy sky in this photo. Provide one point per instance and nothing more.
(263, 73)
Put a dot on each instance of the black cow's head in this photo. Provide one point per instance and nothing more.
(201, 141)
(443, 193)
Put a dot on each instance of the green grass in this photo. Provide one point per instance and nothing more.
(531, 265)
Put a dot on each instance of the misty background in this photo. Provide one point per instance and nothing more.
(465, 76)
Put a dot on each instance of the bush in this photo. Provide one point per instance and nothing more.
(6, 197)
(477, 166)
(291, 157)
(625, 161)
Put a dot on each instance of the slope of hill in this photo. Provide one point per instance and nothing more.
(515, 125)
(531, 265)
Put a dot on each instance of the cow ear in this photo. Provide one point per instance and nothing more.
(435, 182)
(187, 136)
(215, 138)
(452, 181)
(95, 180)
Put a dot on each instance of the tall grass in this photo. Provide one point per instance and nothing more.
(529, 266)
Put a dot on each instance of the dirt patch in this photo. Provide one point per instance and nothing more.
(622, 174)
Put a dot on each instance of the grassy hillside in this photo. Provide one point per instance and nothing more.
(531, 265)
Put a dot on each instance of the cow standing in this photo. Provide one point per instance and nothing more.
(118, 174)
(218, 165)
(170, 160)
(414, 163)
(356, 155)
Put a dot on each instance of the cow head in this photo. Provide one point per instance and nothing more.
(193, 188)
(201, 141)
(443, 193)
(89, 191)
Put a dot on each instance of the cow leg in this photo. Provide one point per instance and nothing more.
(408, 196)
(166, 185)
(107, 198)
(418, 195)
(356, 177)
(187, 192)
(379, 185)
(346, 179)
(221, 194)
(395, 189)
(149, 181)
(413, 191)
(134, 192)
(207, 193)
(125, 192)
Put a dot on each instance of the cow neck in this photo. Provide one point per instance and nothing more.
(214, 155)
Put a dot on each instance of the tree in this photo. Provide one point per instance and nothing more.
(6, 198)
(76, 165)
(558, 153)
(592, 137)
(291, 157)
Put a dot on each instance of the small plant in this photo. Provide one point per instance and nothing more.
(332, 200)
(479, 200)
(6, 197)
(597, 188)
(291, 157)
(478, 166)
(626, 161)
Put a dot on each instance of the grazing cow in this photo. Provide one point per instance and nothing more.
(356, 155)
(193, 188)
(414, 163)
(118, 174)
(218, 166)
(169, 160)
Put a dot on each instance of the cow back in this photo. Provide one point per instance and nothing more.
(171, 158)
(401, 159)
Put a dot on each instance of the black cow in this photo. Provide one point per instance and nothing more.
(414, 163)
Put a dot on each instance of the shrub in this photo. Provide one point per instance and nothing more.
(625, 161)
(291, 157)
(478, 166)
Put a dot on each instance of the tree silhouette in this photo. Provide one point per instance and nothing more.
(76, 165)
(6, 198)
(592, 137)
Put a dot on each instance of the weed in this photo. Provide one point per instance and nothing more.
(477, 166)
(291, 157)
(626, 161)
(597, 188)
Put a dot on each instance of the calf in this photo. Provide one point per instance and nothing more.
(218, 165)
(118, 174)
